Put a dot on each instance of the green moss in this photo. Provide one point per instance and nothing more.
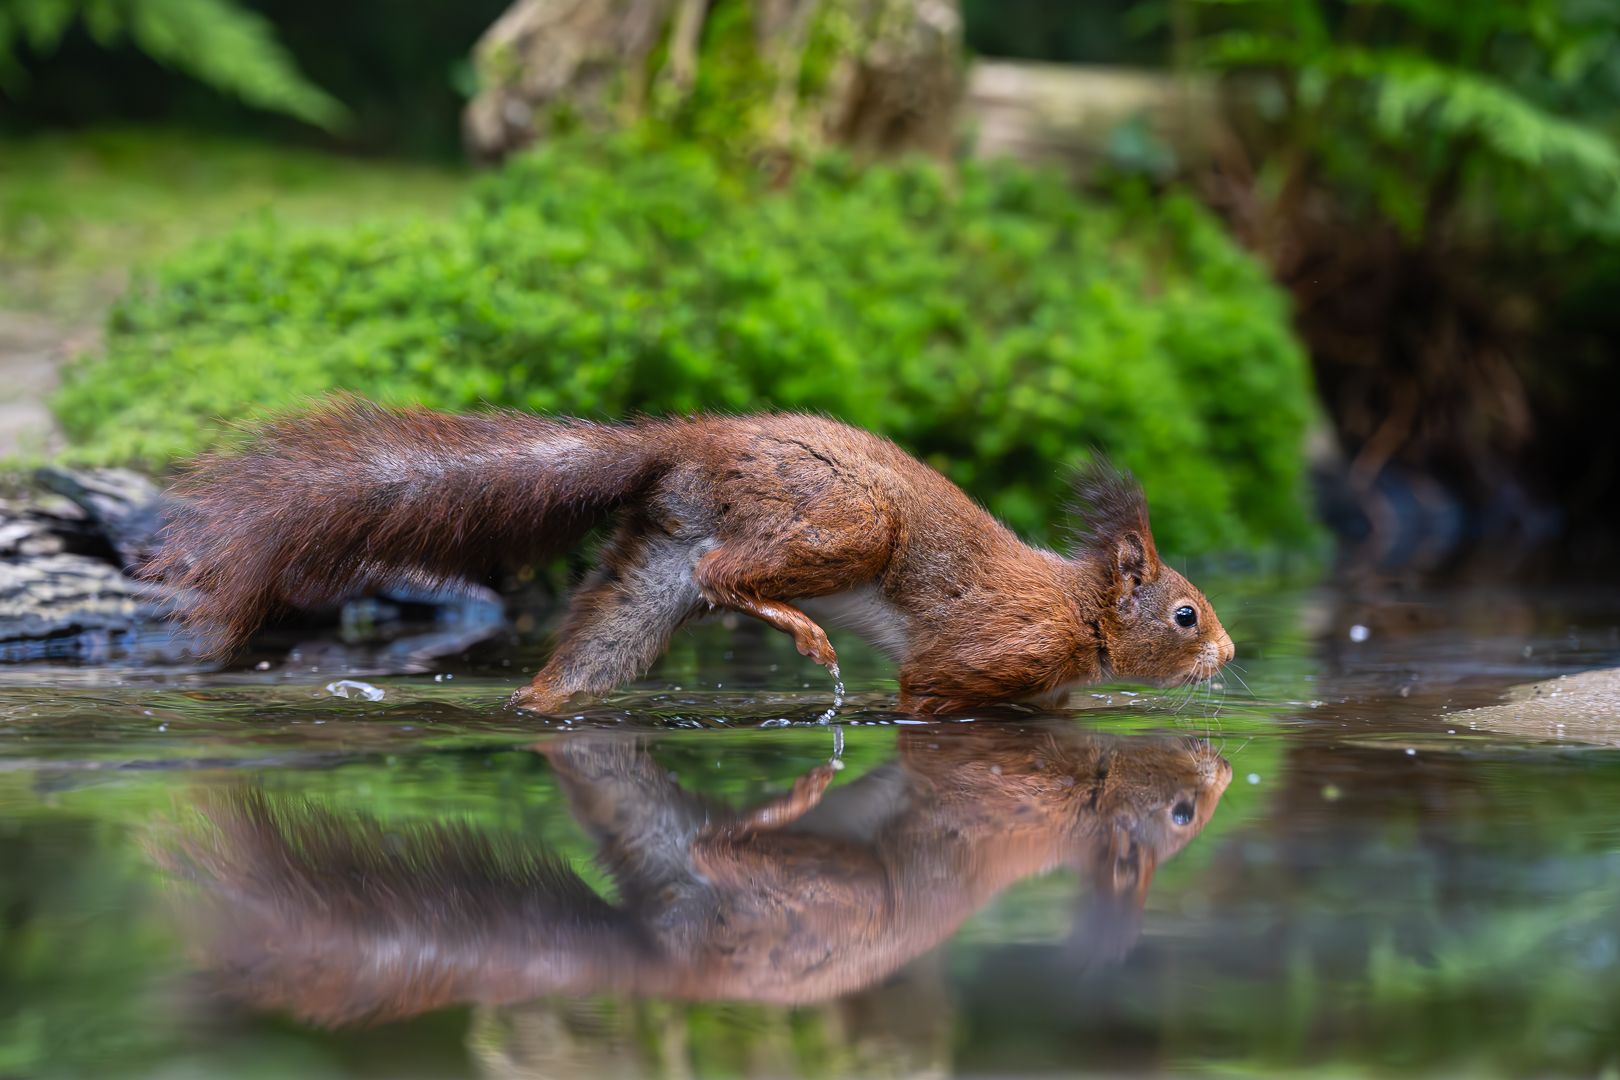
(731, 95)
(992, 321)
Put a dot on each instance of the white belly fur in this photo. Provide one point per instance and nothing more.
(864, 611)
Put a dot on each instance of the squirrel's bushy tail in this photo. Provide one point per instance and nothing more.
(314, 508)
(340, 919)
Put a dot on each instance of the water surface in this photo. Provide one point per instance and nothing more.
(1319, 868)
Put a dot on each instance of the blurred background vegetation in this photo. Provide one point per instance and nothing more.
(1433, 193)
(993, 322)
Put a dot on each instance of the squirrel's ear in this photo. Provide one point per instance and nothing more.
(1135, 560)
(1121, 872)
(1136, 564)
(1111, 520)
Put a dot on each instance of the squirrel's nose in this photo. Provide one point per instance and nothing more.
(1228, 650)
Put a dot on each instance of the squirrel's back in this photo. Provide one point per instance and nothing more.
(314, 508)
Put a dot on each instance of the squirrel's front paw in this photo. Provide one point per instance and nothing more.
(778, 812)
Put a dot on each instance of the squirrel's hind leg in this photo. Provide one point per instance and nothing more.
(723, 586)
(620, 621)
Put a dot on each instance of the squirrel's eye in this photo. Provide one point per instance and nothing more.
(1186, 616)
(1182, 813)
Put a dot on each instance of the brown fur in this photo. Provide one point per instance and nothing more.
(762, 515)
(338, 920)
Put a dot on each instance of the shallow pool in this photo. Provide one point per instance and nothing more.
(1316, 865)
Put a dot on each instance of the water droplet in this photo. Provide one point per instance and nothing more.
(838, 697)
(353, 688)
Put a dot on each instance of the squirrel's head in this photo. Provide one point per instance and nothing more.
(1155, 796)
(1154, 625)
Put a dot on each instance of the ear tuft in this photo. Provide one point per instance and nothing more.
(1134, 559)
(1109, 509)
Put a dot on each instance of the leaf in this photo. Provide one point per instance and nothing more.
(39, 22)
(1461, 103)
(234, 50)
(1415, 97)
(218, 42)
(1515, 96)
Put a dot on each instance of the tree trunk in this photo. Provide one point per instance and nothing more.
(892, 85)
(546, 62)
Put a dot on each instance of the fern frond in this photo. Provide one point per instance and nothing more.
(218, 42)
(1414, 96)
(234, 50)
(40, 23)
(1411, 91)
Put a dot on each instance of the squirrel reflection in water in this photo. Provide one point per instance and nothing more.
(804, 898)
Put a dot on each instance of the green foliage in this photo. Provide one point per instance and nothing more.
(1499, 107)
(229, 47)
(730, 100)
(997, 324)
(79, 955)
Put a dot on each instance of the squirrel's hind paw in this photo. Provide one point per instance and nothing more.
(538, 699)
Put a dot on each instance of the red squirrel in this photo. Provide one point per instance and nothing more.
(785, 517)
(816, 893)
